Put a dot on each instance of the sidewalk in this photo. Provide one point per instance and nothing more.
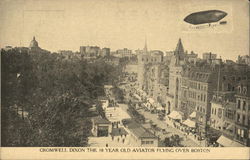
(191, 137)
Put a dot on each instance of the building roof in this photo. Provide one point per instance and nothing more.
(226, 142)
(100, 120)
(179, 47)
(139, 131)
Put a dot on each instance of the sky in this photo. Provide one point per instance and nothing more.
(69, 24)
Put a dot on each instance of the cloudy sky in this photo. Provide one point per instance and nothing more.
(68, 24)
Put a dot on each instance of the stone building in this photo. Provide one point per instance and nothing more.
(105, 52)
(242, 121)
(145, 60)
(175, 70)
(207, 56)
(90, 51)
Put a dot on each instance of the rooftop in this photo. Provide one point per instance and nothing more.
(100, 120)
(139, 131)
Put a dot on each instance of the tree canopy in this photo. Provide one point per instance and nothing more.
(56, 93)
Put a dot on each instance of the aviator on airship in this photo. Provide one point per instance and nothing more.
(206, 17)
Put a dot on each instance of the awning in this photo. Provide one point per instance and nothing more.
(193, 115)
(175, 115)
(189, 123)
(226, 142)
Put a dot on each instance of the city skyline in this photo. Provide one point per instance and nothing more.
(119, 24)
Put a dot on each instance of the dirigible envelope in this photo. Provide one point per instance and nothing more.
(202, 17)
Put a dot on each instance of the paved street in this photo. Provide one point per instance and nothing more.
(161, 124)
(170, 130)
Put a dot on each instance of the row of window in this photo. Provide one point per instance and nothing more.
(242, 90)
(241, 133)
(198, 86)
(147, 142)
(201, 109)
(150, 59)
(234, 78)
(228, 113)
(201, 97)
(242, 105)
(241, 118)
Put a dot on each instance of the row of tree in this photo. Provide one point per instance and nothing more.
(54, 92)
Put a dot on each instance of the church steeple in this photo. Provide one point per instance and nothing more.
(179, 52)
(179, 48)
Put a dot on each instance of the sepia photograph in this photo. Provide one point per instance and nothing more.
(125, 73)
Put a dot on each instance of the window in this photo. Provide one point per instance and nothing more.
(245, 90)
(244, 105)
(238, 117)
(219, 112)
(243, 119)
(239, 89)
(212, 111)
(205, 98)
(215, 111)
(238, 104)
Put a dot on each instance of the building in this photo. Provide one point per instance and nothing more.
(140, 136)
(124, 53)
(244, 59)
(34, 47)
(101, 127)
(90, 51)
(208, 56)
(105, 52)
(192, 57)
(242, 121)
(175, 70)
(145, 61)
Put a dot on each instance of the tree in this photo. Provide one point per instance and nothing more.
(173, 141)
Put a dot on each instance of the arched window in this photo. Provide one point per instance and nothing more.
(239, 89)
(244, 105)
(245, 90)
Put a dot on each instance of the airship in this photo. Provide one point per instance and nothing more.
(209, 16)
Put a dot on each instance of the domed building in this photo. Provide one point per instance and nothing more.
(34, 43)
(34, 48)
